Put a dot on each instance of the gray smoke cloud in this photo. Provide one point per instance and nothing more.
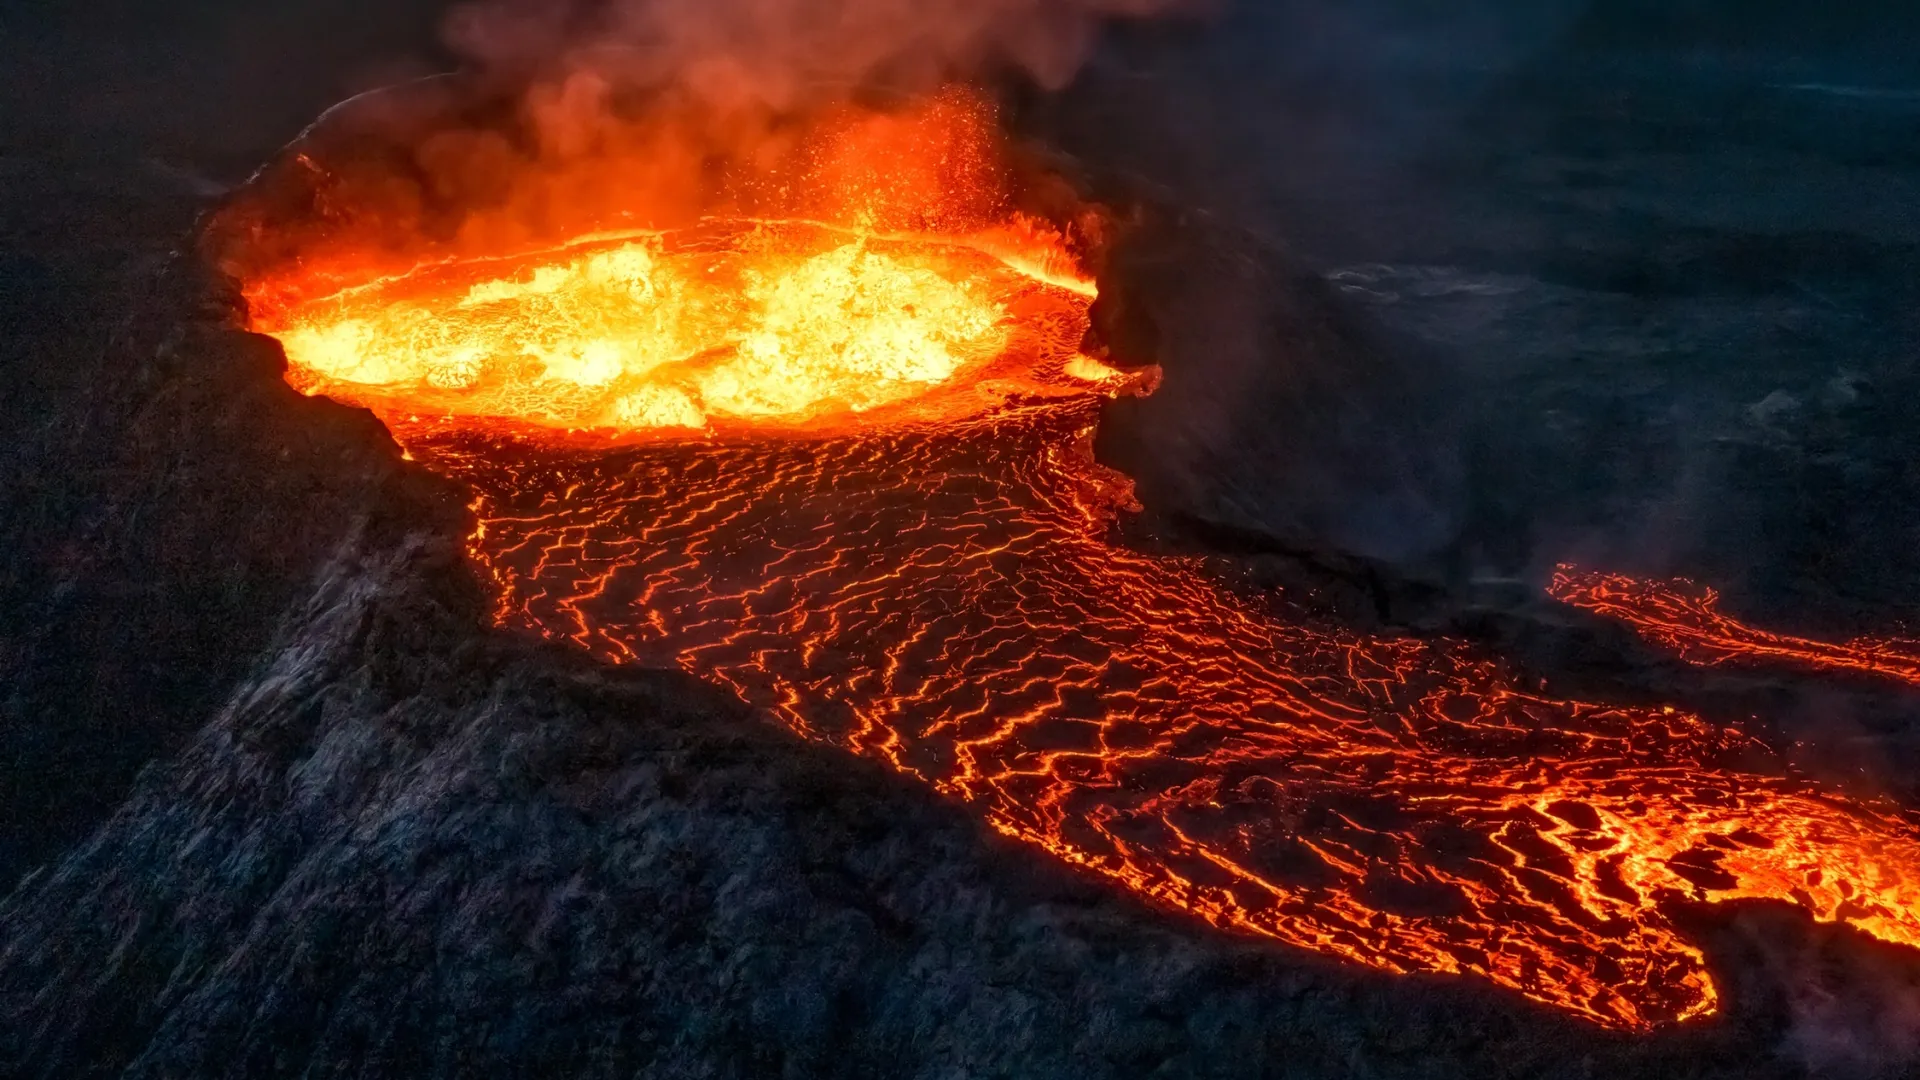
(781, 54)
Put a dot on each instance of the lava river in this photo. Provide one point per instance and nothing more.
(853, 484)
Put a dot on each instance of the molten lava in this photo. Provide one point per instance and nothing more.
(1685, 618)
(846, 473)
(776, 324)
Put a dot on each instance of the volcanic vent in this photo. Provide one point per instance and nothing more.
(817, 429)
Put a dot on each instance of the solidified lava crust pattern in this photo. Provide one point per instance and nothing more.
(945, 601)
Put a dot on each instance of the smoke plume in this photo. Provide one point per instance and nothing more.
(781, 54)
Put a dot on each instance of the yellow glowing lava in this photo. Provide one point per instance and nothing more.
(625, 334)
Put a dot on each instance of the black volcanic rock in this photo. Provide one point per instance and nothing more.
(156, 533)
(1280, 410)
(162, 500)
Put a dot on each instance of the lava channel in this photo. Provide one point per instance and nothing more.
(849, 478)
(1685, 618)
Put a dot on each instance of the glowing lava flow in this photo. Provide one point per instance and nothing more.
(908, 558)
(1685, 618)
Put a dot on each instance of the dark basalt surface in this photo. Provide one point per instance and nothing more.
(1669, 248)
(151, 542)
(1281, 409)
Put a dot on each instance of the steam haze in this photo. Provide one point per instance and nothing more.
(780, 53)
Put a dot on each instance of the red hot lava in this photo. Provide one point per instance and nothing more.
(842, 468)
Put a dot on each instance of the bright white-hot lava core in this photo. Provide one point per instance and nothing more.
(844, 471)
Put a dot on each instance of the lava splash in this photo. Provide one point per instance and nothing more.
(846, 473)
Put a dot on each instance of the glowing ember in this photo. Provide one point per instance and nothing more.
(893, 538)
(1685, 618)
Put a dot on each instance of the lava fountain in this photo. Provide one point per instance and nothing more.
(838, 461)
